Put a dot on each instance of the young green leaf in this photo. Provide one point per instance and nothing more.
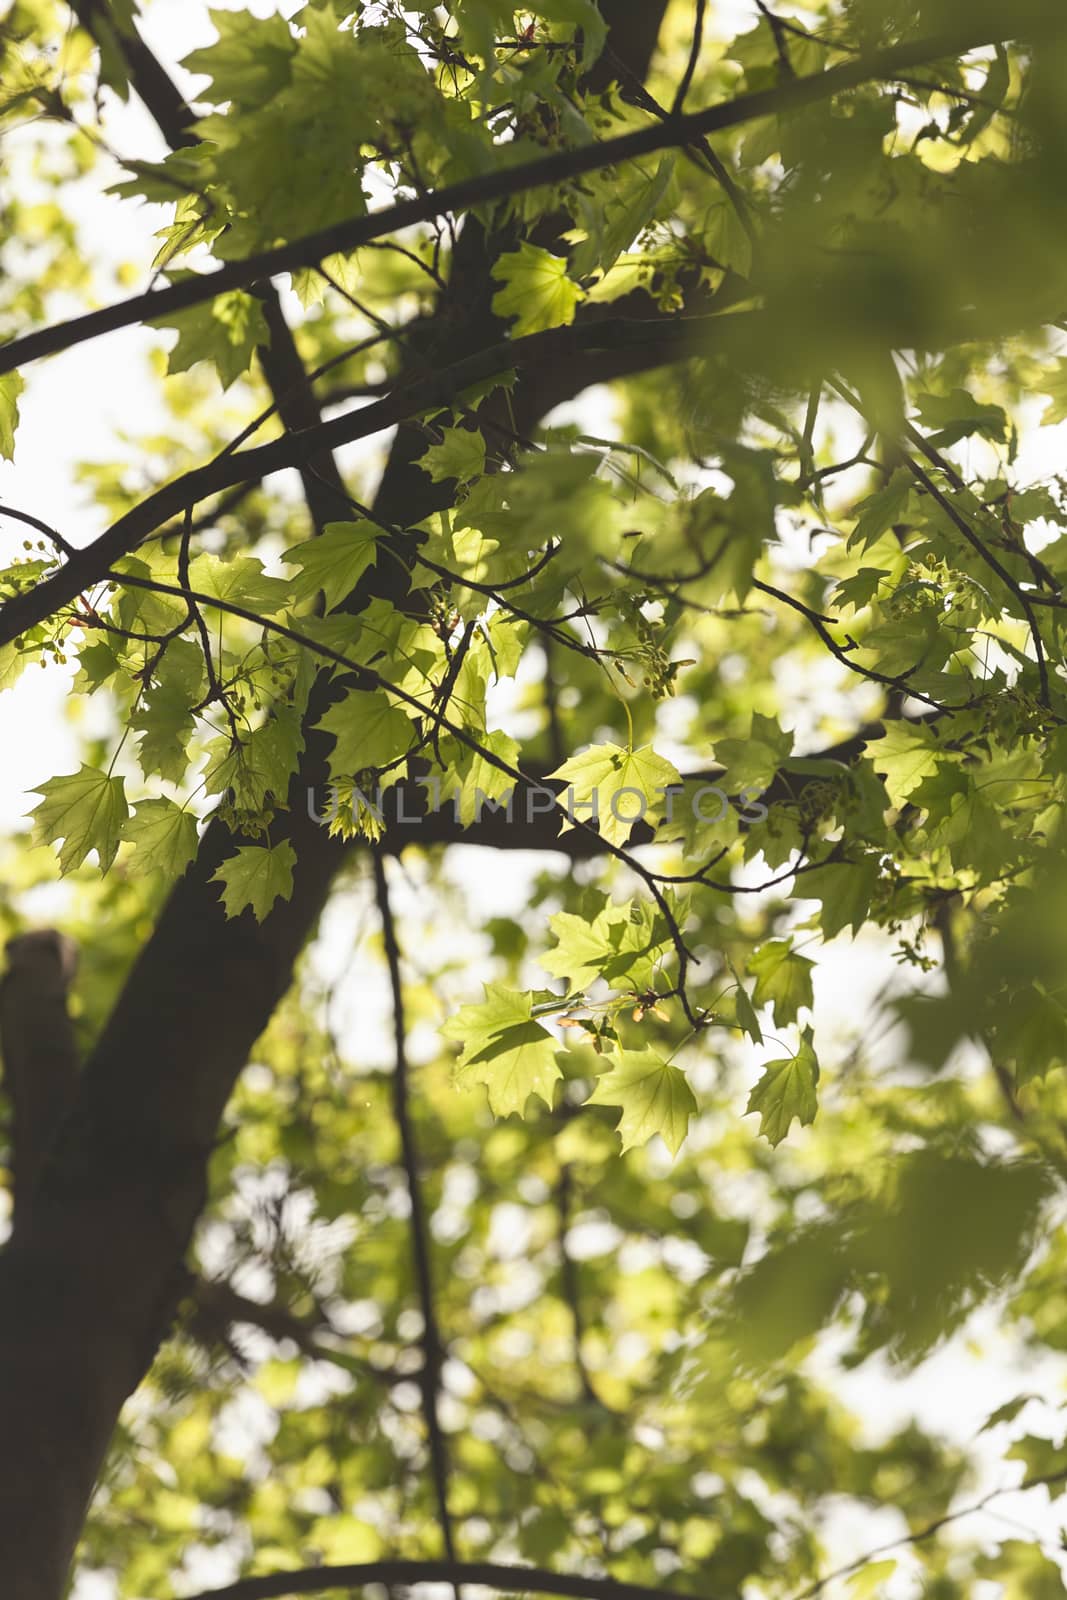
(1053, 382)
(12, 665)
(256, 875)
(240, 582)
(869, 1582)
(881, 510)
(86, 810)
(250, 61)
(845, 889)
(460, 455)
(654, 1097)
(615, 946)
(726, 238)
(164, 722)
(537, 290)
(615, 788)
(751, 763)
(783, 979)
(956, 415)
(633, 198)
(786, 1090)
(482, 787)
(369, 731)
(334, 561)
(747, 1019)
(224, 331)
(11, 386)
(165, 834)
(904, 756)
(504, 1049)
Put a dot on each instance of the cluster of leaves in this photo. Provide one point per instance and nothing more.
(781, 659)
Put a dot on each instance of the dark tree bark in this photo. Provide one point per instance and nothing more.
(39, 1049)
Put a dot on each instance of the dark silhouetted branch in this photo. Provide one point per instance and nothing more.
(506, 182)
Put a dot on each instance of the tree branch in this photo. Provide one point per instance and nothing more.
(494, 1575)
(505, 182)
(90, 565)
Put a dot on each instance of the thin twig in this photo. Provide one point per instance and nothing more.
(694, 56)
(432, 1346)
(570, 1286)
(928, 1532)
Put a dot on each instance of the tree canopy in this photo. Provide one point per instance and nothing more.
(599, 479)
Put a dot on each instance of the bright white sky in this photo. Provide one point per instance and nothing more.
(74, 409)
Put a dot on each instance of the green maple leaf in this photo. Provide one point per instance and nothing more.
(460, 455)
(164, 723)
(12, 665)
(962, 817)
(845, 889)
(256, 876)
(241, 582)
(537, 290)
(751, 763)
(654, 1097)
(96, 664)
(745, 1011)
(86, 810)
(224, 331)
(166, 834)
(1042, 1459)
(584, 948)
(1033, 1033)
(615, 946)
(279, 743)
(958, 414)
(11, 386)
(249, 63)
(598, 777)
(726, 239)
(144, 612)
(881, 510)
(860, 589)
(1007, 1412)
(904, 756)
(506, 638)
(369, 731)
(505, 1049)
(786, 1090)
(334, 561)
(783, 979)
(261, 765)
(480, 782)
